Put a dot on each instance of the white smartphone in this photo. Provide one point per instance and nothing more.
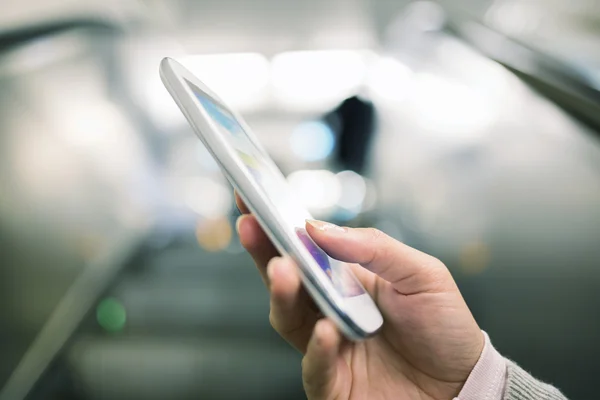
(264, 189)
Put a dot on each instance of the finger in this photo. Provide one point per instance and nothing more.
(254, 239)
(319, 366)
(240, 203)
(291, 315)
(408, 270)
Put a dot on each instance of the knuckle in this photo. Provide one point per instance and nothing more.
(303, 365)
(273, 321)
(375, 249)
(436, 274)
(435, 263)
(374, 234)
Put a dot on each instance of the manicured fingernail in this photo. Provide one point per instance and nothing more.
(326, 226)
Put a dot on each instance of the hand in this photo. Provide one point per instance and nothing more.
(429, 342)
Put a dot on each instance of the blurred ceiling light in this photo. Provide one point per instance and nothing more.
(44, 153)
(312, 141)
(348, 36)
(353, 190)
(87, 125)
(389, 79)
(480, 74)
(442, 106)
(208, 198)
(313, 80)
(317, 190)
(99, 131)
(241, 79)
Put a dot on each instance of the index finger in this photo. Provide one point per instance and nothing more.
(240, 203)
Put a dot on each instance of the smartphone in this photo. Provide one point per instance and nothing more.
(264, 189)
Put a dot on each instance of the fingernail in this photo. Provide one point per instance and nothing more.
(326, 226)
(238, 222)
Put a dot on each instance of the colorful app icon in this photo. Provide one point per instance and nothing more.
(343, 281)
(319, 255)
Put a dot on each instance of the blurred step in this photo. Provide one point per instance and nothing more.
(174, 304)
(143, 368)
(191, 261)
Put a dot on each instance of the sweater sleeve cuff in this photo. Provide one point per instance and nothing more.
(522, 386)
(488, 378)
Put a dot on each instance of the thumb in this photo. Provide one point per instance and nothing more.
(319, 366)
(409, 270)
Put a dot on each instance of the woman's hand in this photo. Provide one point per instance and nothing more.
(429, 342)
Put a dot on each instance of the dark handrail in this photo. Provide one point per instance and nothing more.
(558, 80)
(19, 36)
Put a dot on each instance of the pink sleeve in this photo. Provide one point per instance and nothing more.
(488, 378)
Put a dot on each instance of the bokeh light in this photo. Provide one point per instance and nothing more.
(241, 79)
(353, 190)
(208, 198)
(474, 257)
(455, 111)
(318, 190)
(111, 315)
(214, 235)
(312, 141)
(389, 79)
(316, 79)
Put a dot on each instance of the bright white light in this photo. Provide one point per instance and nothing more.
(98, 130)
(514, 18)
(317, 190)
(312, 141)
(240, 79)
(390, 79)
(441, 106)
(316, 79)
(208, 198)
(353, 190)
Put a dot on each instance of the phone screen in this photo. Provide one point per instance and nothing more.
(287, 208)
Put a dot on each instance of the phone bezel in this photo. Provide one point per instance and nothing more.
(357, 317)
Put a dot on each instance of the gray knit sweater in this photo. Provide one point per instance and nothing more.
(522, 386)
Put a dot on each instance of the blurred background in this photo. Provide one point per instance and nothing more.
(466, 128)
